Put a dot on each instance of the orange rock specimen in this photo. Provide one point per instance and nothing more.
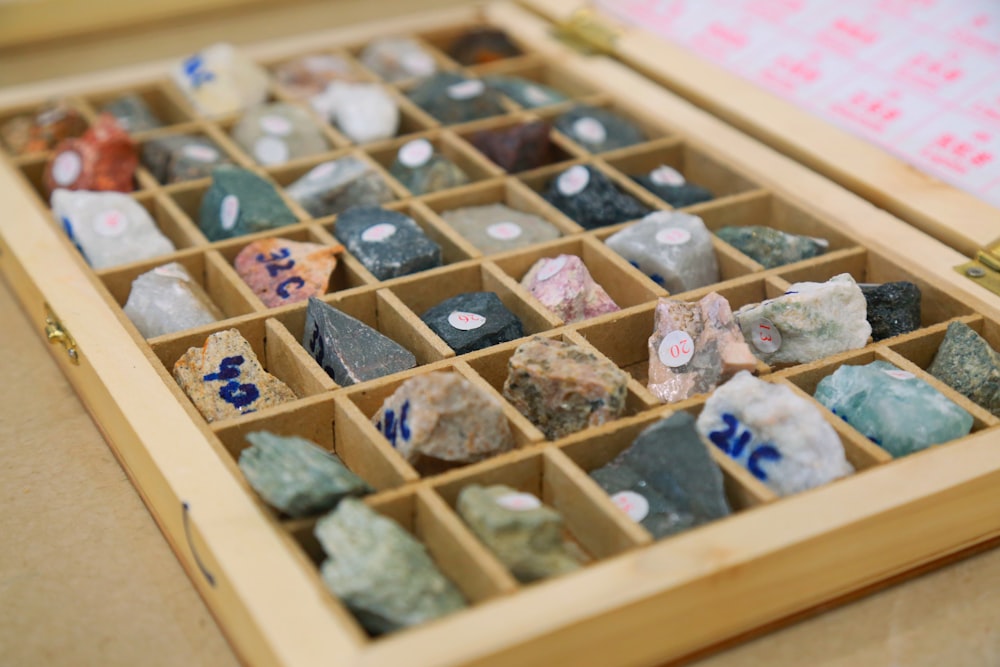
(104, 158)
(281, 271)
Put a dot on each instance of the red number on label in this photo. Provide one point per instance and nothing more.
(680, 348)
(764, 337)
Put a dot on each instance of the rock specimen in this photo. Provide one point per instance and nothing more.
(666, 480)
(398, 58)
(563, 388)
(522, 533)
(278, 132)
(670, 185)
(296, 476)
(43, 129)
(591, 199)
(282, 271)
(104, 158)
(421, 170)
(349, 350)
(893, 408)
(167, 299)
(496, 228)
(529, 94)
(182, 157)
(241, 202)
(383, 575)
(333, 187)
(305, 76)
(219, 80)
(809, 322)
(362, 111)
(564, 285)
(482, 45)
(893, 308)
(388, 243)
(771, 247)
(694, 348)
(445, 417)
(453, 98)
(132, 113)
(780, 437)
(109, 228)
(965, 362)
(599, 130)
(674, 249)
(516, 148)
(473, 321)
(224, 379)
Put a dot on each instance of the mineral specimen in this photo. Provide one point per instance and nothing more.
(103, 158)
(496, 227)
(398, 58)
(893, 308)
(965, 362)
(278, 132)
(182, 157)
(516, 148)
(529, 94)
(482, 45)
(473, 321)
(41, 130)
(564, 285)
(590, 198)
(219, 80)
(333, 187)
(305, 76)
(241, 202)
(132, 113)
(388, 243)
(364, 112)
(771, 247)
(167, 299)
(670, 185)
(598, 130)
(421, 170)
(454, 98)
(282, 271)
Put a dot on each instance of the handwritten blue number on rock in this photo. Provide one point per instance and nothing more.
(734, 443)
(404, 425)
(194, 68)
(762, 453)
(284, 286)
(389, 425)
(236, 394)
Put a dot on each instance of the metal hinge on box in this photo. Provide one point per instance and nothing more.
(588, 32)
(985, 268)
(57, 333)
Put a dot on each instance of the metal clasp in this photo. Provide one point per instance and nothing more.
(57, 333)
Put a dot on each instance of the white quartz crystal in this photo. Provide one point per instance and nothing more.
(167, 299)
(362, 111)
(220, 80)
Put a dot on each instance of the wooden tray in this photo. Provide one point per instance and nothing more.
(637, 602)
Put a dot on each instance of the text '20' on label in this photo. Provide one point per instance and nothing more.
(466, 321)
(676, 349)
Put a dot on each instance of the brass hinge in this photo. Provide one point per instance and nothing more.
(57, 333)
(588, 32)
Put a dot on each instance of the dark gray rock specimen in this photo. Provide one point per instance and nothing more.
(966, 363)
(384, 576)
(241, 202)
(388, 243)
(437, 173)
(297, 476)
(182, 157)
(771, 247)
(599, 203)
(893, 308)
(453, 98)
(132, 113)
(529, 94)
(349, 350)
(671, 470)
(599, 130)
(472, 321)
(678, 194)
(332, 187)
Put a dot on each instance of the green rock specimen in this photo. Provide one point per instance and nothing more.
(529, 94)
(966, 363)
(383, 575)
(599, 130)
(453, 98)
(893, 308)
(524, 534)
(240, 202)
(421, 170)
(771, 247)
(132, 113)
(297, 476)
(894, 409)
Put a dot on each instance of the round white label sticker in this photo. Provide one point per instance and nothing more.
(466, 90)
(573, 180)
(465, 321)
(504, 231)
(378, 233)
(277, 125)
(765, 336)
(270, 150)
(664, 175)
(899, 375)
(536, 95)
(200, 153)
(320, 172)
(590, 130)
(822, 243)
(635, 505)
(419, 63)
(171, 271)
(519, 502)
(67, 167)
(673, 236)
(229, 211)
(551, 268)
(110, 223)
(676, 349)
(416, 153)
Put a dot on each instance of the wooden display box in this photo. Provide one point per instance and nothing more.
(637, 601)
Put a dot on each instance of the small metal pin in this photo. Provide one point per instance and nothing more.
(975, 272)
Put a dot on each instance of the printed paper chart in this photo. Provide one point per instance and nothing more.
(920, 78)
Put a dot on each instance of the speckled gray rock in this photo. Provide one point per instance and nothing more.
(666, 480)
(384, 576)
(241, 202)
(771, 247)
(599, 130)
(893, 308)
(333, 187)
(968, 364)
(132, 113)
(525, 535)
(497, 228)
(388, 243)
(529, 94)
(473, 321)
(670, 185)
(364, 112)
(296, 476)
(454, 98)
(397, 58)
(167, 299)
(182, 157)
(421, 170)
(349, 350)
(278, 132)
(674, 249)
(591, 199)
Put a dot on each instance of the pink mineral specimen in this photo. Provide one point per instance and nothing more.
(563, 284)
(695, 347)
(281, 271)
